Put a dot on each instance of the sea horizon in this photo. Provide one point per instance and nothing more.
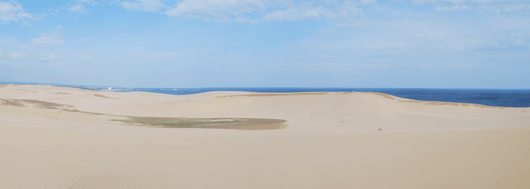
(489, 97)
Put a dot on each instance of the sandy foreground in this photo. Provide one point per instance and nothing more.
(423, 145)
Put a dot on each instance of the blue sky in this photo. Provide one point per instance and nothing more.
(267, 43)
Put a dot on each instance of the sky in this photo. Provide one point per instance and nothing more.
(267, 43)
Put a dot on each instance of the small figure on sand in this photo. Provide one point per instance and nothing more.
(380, 128)
(341, 121)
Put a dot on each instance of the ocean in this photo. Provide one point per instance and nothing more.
(489, 97)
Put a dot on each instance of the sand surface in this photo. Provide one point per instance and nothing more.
(57, 137)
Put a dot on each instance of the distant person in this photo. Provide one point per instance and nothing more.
(380, 128)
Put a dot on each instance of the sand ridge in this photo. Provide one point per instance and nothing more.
(276, 94)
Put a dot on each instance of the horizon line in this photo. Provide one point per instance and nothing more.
(119, 87)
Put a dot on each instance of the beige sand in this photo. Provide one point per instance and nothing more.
(423, 145)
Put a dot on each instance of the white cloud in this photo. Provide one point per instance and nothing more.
(46, 56)
(308, 11)
(79, 7)
(505, 8)
(267, 10)
(293, 10)
(31, 56)
(467, 1)
(495, 8)
(300, 14)
(451, 8)
(16, 55)
(49, 40)
(144, 5)
(368, 1)
(413, 37)
(59, 27)
(12, 12)
(215, 9)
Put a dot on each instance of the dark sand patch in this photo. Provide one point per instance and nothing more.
(169, 122)
(60, 93)
(27, 90)
(97, 95)
(210, 123)
(93, 113)
(33, 103)
(10, 102)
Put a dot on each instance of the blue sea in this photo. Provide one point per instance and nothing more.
(489, 97)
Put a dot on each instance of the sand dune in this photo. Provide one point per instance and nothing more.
(58, 137)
